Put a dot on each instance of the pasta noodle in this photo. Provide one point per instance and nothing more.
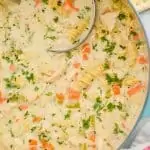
(132, 54)
(78, 29)
(88, 76)
(130, 80)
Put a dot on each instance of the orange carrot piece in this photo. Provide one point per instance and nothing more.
(69, 3)
(37, 2)
(137, 88)
(33, 148)
(87, 50)
(76, 65)
(85, 56)
(2, 99)
(142, 59)
(85, 45)
(73, 94)
(60, 97)
(92, 137)
(37, 119)
(33, 142)
(47, 146)
(12, 68)
(136, 37)
(116, 89)
(23, 107)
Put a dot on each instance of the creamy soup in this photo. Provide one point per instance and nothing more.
(85, 99)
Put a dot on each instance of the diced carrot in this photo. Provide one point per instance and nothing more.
(85, 45)
(92, 136)
(47, 146)
(12, 68)
(23, 107)
(2, 99)
(116, 89)
(135, 89)
(85, 56)
(37, 2)
(142, 59)
(37, 119)
(73, 94)
(87, 50)
(76, 65)
(60, 97)
(136, 37)
(33, 142)
(33, 148)
(69, 3)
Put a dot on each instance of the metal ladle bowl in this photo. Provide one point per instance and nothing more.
(90, 28)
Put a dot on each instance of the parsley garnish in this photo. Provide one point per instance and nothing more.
(121, 16)
(110, 47)
(67, 115)
(56, 19)
(122, 58)
(111, 107)
(86, 123)
(112, 79)
(117, 129)
(98, 105)
(45, 1)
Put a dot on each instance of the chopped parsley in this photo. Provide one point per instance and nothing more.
(11, 82)
(122, 58)
(33, 129)
(113, 78)
(111, 107)
(123, 47)
(26, 114)
(44, 136)
(110, 48)
(121, 16)
(98, 104)
(87, 8)
(49, 94)
(69, 54)
(29, 76)
(45, 1)
(133, 33)
(86, 123)
(85, 95)
(56, 19)
(67, 115)
(106, 65)
(15, 97)
(117, 129)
